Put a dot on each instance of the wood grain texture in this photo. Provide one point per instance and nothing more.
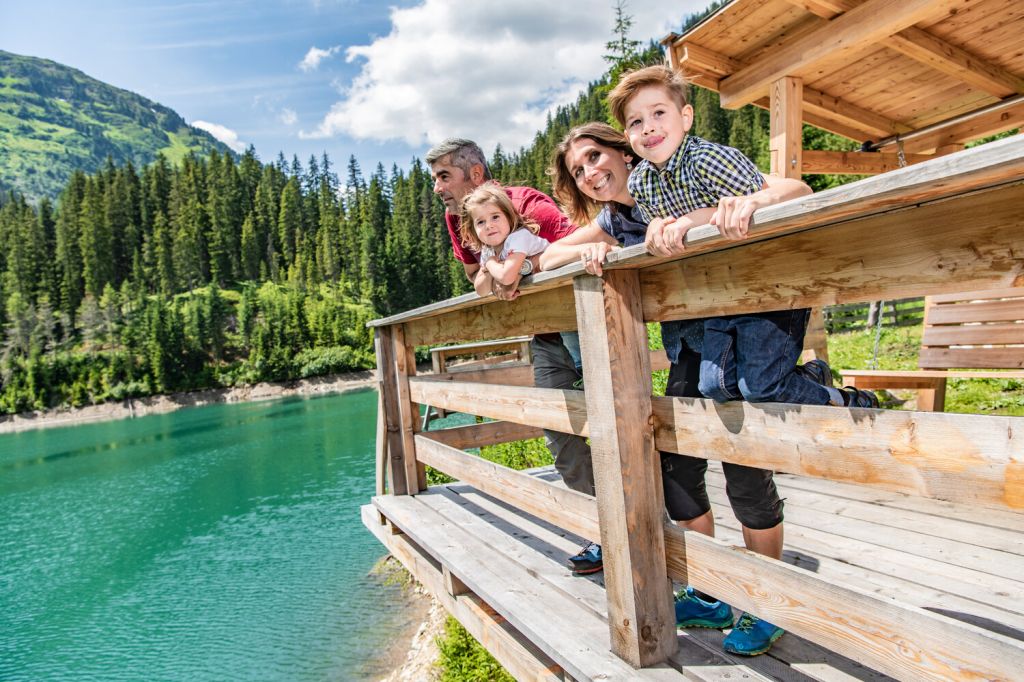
(627, 476)
(967, 243)
(479, 435)
(548, 408)
(569, 509)
(892, 637)
(786, 127)
(962, 458)
(869, 22)
(387, 386)
(405, 367)
(516, 654)
(855, 163)
(510, 375)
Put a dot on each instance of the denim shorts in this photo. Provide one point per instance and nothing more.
(751, 492)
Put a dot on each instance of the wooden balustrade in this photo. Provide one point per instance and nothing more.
(946, 225)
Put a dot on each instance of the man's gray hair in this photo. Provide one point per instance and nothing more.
(462, 154)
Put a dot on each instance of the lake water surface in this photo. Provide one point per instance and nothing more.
(211, 543)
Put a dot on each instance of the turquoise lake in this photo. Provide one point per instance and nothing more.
(212, 543)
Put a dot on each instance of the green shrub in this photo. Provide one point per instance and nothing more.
(463, 659)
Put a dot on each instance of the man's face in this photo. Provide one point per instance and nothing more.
(450, 183)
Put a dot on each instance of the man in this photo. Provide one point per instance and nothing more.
(458, 166)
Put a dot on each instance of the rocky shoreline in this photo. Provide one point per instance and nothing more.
(158, 404)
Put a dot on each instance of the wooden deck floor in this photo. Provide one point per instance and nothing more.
(502, 573)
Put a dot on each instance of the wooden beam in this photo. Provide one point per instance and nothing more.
(488, 433)
(627, 474)
(387, 385)
(869, 22)
(968, 459)
(972, 242)
(894, 638)
(405, 365)
(569, 509)
(856, 163)
(786, 127)
(956, 62)
(972, 129)
(707, 68)
(548, 408)
(514, 375)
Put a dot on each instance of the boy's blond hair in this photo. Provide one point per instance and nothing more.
(652, 76)
(490, 193)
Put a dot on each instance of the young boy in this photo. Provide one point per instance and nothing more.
(681, 182)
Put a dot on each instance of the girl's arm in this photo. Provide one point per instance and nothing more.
(569, 248)
(482, 281)
(733, 214)
(507, 272)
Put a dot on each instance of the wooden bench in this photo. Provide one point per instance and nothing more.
(964, 335)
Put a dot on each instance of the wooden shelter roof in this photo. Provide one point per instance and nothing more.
(870, 68)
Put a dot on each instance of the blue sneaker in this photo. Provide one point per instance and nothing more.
(751, 636)
(588, 560)
(694, 612)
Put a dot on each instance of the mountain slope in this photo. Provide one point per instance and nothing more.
(55, 120)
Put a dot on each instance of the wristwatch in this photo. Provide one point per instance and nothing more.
(526, 268)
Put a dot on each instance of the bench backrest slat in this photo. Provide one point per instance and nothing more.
(974, 330)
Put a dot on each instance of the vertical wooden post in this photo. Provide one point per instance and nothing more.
(387, 384)
(786, 127)
(405, 366)
(816, 338)
(627, 470)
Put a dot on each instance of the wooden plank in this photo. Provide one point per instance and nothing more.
(892, 637)
(548, 408)
(1010, 310)
(387, 387)
(569, 509)
(955, 61)
(855, 163)
(925, 374)
(982, 358)
(511, 375)
(950, 335)
(488, 433)
(826, 106)
(869, 22)
(477, 346)
(409, 411)
(515, 653)
(953, 175)
(381, 439)
(963, 458)
(977, 127)
(626, 470)
(983, 294)
(548, 618)
(970, 242)
(786, 127)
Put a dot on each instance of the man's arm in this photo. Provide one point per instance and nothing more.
(471, 270)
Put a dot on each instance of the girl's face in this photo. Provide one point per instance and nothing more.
(600, 172)
(491, 224)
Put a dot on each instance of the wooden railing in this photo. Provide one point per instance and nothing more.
(947, 225)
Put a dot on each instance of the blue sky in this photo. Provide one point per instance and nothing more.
(382, 81)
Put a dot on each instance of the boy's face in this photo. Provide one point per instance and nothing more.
(655, 125)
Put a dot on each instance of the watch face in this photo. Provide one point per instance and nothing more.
(526, 268)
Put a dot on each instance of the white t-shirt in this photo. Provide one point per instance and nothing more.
(519, 241)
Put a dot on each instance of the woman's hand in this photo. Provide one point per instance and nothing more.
(594, 255)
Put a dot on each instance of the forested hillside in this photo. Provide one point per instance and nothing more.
(55, 120)
(215, 271)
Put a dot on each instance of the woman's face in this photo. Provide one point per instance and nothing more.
(600, 172)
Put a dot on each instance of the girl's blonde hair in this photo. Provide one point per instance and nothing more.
(580, 208)
(490, 193)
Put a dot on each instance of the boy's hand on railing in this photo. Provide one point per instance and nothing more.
(733, 215)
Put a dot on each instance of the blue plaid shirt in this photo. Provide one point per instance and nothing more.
(696, 176)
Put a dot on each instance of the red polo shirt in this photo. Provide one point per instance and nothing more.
(530, 203)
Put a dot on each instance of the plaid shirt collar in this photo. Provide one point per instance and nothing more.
(672, 165)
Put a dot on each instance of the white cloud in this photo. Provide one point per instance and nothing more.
(315, 55)
(288, 116)
(481, 70)
(222, 133)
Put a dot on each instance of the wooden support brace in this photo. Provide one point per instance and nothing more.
(452, 584)
(626, 466)
(390, 454)
(405, 366)
(786, 124)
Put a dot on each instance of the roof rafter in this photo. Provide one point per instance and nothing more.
(869, 22)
